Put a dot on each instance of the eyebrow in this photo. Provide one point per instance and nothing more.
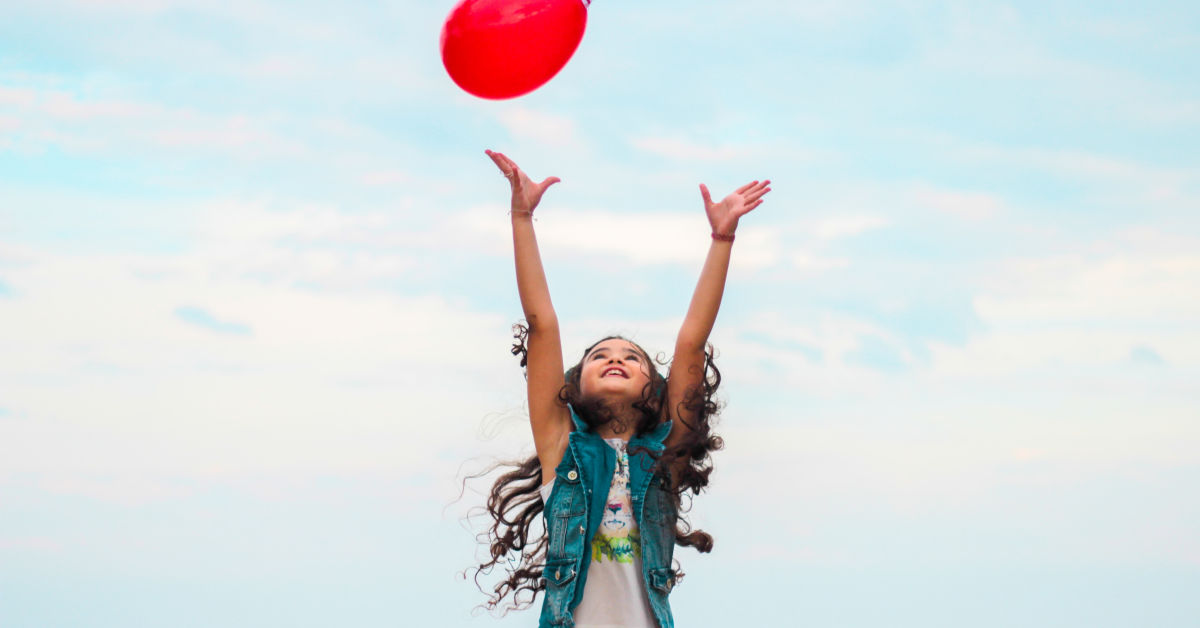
(630, 350)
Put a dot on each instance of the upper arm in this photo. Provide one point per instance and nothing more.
(685, 379)
(548, 415)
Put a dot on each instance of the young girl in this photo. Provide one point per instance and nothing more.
(617, 445)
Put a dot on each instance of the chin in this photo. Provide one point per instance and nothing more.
(623, 390)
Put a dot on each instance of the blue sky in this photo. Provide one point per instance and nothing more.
(256, 291)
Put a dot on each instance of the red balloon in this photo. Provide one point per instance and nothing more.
(505, 48)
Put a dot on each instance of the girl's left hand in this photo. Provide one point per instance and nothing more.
(724, 216)
(525, 193)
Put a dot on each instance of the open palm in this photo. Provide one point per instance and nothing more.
(723, 216)
(525, 193)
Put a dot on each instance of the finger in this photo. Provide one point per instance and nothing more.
(548, 182)
(742, 190)
(750, 198)
(496, 159)
(705, 195)
(505, 167)
(514, 171)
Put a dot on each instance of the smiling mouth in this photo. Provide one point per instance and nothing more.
(614, 372)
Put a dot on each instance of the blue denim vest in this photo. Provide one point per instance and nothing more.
(576, 507)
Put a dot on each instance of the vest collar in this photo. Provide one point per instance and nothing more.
(580, 426)
(654, 437)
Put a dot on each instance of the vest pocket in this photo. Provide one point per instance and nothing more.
(662, 579)
(559, 576)
(559, 573)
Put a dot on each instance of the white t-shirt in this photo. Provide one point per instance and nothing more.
(614, 596)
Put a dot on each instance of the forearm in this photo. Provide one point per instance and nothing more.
(706, 300)
(531, 277)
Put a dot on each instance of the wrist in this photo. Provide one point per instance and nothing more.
(722, 237)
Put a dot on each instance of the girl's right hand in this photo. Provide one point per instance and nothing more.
(525, 193)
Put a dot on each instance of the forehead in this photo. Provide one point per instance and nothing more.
(615, 344)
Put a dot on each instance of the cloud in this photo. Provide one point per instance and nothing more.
(967, 205)
(54, 117)
(329, 379)
(1087, 309)
(310, 245)
(1079, 288)
(19, 97)
(386, 178)
(686, 150)
(874, 352)
(201, 317)
(810, 263)
(845, 226)
(543, 127)
(604, 236)
(39, 544)
(1145, 356)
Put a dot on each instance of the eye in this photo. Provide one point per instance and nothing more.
(597, 355)
(634, 357)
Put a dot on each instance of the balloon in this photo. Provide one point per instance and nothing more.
(505, 48)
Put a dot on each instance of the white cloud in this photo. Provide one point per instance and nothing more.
(18, 96)
(543, 127)
(968, 205)
(33, 543)
(101, 376)
(1081, 288)
(52, 117)
(686, 150)
(607, 236)
(845, 226)
(386, 177)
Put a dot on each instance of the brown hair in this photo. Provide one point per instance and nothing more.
(514, 503)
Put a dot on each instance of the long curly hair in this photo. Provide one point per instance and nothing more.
(514, 503)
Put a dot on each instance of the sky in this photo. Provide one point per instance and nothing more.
(256, 298)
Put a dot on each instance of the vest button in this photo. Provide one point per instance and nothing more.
(582, 530)
(572, 475)
(557, 574)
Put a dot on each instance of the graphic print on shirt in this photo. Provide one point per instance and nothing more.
(618, 538)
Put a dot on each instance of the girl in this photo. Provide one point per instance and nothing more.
(617, 445)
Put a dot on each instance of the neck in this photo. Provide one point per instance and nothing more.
(608, 432)
(625, 417)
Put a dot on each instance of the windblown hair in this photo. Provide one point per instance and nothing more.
(514, 503)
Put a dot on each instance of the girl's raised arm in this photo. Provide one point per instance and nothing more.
(548, 416)
(687, 365)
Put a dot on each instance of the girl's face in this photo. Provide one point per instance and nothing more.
(614, 368)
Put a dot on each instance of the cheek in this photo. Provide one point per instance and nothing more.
(587, 382)
(645, 375)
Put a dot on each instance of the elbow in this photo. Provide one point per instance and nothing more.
(541, 323)
(689, 339)
(690, 343)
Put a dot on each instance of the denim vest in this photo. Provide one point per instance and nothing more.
(576, 507)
